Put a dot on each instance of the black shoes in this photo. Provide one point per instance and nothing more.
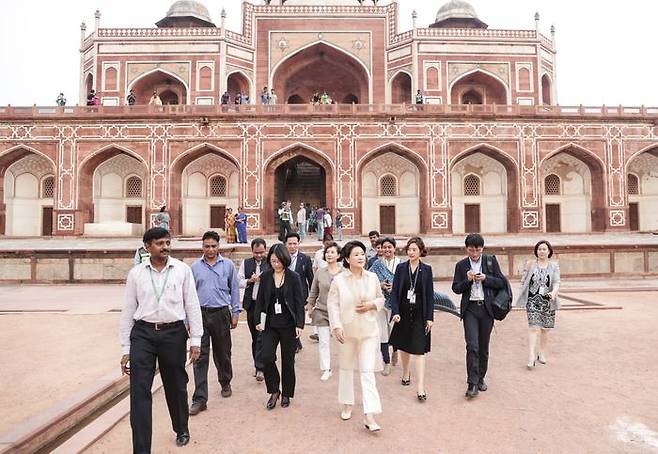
(226, 391)
(482, 386)
(422, 397)
(273, 399)
(472, 391)
(182, 439)
(285, 402)
(197, 407)
(406, 382)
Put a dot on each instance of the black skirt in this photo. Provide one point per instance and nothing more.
(408, 334)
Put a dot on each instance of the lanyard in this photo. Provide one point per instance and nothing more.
(413, 280)
(158, 294)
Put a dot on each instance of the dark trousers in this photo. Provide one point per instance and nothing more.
(256, 339)
(284, 229)
(477, 331)
(169, 348)
(386, 355)
(271, 339)
(216, 327)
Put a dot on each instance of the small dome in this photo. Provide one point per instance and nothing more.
(458, 14)
(187, 13)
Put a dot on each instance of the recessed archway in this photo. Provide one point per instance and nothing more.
(546, 97)
(237, 83)
(642, 190)
(401, 88)
(489, 89)
(321, 68)
(164, 83)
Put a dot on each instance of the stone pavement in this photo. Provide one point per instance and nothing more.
(508, 240)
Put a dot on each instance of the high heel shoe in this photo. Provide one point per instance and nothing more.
(271, 403)
(372, 427)
(531, 365)
(421, 397)
(541, 359)
(406, 382)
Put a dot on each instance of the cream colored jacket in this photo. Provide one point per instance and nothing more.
(345, 293)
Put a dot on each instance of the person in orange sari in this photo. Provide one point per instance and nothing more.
(229, 226)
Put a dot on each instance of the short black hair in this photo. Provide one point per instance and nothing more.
(258, 241)
(347, 250)
(327, 237)
(281, 253)
(210, 235)
(293, 235)
(418, 241)
(548, 245)
(389, 239)
(373, 233)
(155, 234)
(379, 241)
(474, 239)
(163, 208)
(330, 245)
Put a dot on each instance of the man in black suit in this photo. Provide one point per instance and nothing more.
(301, 264)
(476, 284)
(249, 278)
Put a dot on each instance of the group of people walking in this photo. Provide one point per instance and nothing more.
(307, 219)
(367, 306)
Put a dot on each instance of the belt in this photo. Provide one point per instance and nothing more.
(478, 302)
(210, 310)
(160, 326)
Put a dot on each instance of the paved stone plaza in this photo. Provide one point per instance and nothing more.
(594, 393)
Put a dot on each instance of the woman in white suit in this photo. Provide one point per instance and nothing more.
(540, 285)
(354, 299)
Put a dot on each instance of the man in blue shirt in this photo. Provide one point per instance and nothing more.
(219, 295)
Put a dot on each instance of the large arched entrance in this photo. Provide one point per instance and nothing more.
(642, 190)
(573, 188)
(478, 88)
(321, 68)
(485, 192)
(170, 89)
(237, 83)
(27, 194)
(300, 176)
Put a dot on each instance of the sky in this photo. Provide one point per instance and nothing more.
(606, 50)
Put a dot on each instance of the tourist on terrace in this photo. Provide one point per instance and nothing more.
(163, 218)
(226, 98)
(274, 99)
(218, 289)
(241, 225)
(315, 99)
(317, 303)
(249, 277)
(419, 98)
(265, 97)
(354, 299)
(384, 268)
(155, 99)
(61, 100)
(540, 285)
(131, 98)
(161, 305)
(476, 282)
(238, 99)
(280, 316)
(90, 97)
(412, 306)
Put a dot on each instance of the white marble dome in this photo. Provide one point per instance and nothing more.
(456, 9)
(189, 8)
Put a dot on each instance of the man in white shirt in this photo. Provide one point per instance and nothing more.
(160, 296)
(301, 221)
(328, 222)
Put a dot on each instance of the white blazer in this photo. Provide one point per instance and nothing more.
(345, 293)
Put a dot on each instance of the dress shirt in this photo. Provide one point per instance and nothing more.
(319, 259)
(477, 292)
(179, 300)
(242, 279)
(301, 216)
(293, 261)
(370, 252)
(217, 285)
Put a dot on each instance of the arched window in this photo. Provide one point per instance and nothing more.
(111, 79)
(552, 185)
(432, 78)
(134, 187)
(218, 186)
(388, 186)
(524, 79)
(48, 187)
(633, 184)
(471, 185)
(205, 78)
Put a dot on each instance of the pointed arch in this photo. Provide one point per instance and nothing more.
(462, 77)
(142, 98)
(653, 149)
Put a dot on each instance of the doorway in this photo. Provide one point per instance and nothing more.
(134, 214)
(387, 219)
(553, 223)
(472, 218)
(46, 221)
(300, 180)
(634, 216)
(217, 213)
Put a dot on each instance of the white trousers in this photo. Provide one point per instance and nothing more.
(324, 337)
(364, 353)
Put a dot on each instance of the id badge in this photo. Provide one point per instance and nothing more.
(411, 296)
(543, 290)
(277, 308)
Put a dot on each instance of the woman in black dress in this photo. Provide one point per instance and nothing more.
(412, 306)
(279, 313)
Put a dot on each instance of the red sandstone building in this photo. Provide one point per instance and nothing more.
(490, 150)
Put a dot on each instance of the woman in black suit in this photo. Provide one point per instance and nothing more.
(412, 307)
(279, 313)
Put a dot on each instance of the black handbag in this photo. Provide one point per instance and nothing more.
(502, 301)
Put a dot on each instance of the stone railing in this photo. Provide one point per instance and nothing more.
(477, 32)
(447, 110)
